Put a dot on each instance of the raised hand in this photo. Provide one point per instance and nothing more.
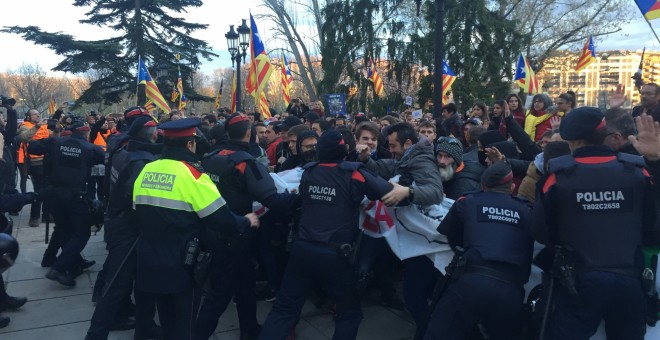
(647, 141)
(617, 97)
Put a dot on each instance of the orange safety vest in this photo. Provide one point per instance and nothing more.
(42, 133)
(102, 138)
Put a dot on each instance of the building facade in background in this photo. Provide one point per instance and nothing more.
(593, 84)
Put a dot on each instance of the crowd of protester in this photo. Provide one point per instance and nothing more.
(436, 158)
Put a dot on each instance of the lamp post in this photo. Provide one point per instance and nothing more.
(237, 43)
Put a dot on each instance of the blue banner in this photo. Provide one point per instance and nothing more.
(335, 104)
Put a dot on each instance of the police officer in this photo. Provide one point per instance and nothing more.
(242, 181)
(121, 233)
(176, 206)
(68, 162)
(8, 254)
(493, 228)
(598, 208)
(331, 190)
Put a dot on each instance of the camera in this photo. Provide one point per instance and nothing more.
(7, 102)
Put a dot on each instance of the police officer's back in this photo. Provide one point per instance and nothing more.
(67, 162)
(174, 200)
(115, 282)
(596, 206)
(242, 180)
(331, 190)
(493, 228)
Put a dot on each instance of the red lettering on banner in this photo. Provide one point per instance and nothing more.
(382, 215)
(370, 224)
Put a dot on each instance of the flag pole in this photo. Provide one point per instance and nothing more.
(652, 30)
(137, 85)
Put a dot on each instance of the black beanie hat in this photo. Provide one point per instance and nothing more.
(331, 147)
(496, 174)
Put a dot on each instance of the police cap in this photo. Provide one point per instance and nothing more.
(496, 174)
(186, 127)
(79, 126)
(581, 122)
(135, 111)
(139, 123)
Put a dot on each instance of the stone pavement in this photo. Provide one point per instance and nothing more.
(57, 313)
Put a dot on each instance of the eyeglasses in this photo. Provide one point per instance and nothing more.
(449, 140)
(308, 147)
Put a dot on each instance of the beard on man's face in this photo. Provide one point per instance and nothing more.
(446, 172)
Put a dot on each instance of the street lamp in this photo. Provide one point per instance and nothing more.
(237, 43)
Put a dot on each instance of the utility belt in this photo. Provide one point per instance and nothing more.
(498, 272)
(346, 252)
(197, 261)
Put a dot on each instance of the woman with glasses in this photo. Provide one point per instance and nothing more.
(537, 120)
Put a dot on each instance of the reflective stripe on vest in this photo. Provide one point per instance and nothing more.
(170, 184)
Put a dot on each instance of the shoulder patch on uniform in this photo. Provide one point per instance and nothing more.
(196, 173)
(241, 167)
(358, 176)
(549, 182)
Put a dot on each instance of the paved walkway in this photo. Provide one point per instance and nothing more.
(57, 313)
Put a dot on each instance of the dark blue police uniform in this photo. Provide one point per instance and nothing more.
(598, 206)
(494, 229)
(68, 161)
(241, 180)
(121, 233)
(331, 192)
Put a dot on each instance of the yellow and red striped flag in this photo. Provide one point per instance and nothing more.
(263, 105)
(52, 105)
(525, 76)
(219, 95)
(260, 67)
(448, 78)
(233, 95)
(151, 88)
(372, 75)
(149, 105)
(286, 80)
(588, 55)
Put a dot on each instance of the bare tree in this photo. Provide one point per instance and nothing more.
(32, 84)
(564, 23)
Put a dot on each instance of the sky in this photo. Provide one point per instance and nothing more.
(62, 16)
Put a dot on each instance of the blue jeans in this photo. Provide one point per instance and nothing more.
(309, 263)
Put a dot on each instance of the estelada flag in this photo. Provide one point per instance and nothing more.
(52, 105)
(372, 74)
(260, 67)
(286, 81)
(650, 8)
(588, 55)
(525, 76)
